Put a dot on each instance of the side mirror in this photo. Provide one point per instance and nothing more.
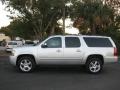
(44, 46)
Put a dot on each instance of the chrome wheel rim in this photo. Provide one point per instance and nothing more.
(95, 66)
(25, 65)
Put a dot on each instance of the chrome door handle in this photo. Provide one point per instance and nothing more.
(58, 50)
(78, 50)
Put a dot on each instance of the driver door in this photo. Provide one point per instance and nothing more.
(51, 50)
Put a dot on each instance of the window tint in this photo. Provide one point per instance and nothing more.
(97, 42)
(55, 42)
(72, 42)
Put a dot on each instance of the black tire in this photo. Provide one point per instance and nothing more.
(26, 64)
(94, 65)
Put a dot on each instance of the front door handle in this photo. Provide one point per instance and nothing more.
(58, 50)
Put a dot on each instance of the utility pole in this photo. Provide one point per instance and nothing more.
(63, 28)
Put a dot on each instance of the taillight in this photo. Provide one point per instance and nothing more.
(115, 52)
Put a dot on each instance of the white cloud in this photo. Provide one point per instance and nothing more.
(72, 30)
(68, 26)
(4, 20)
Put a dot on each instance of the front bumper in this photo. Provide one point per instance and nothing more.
(13, 60)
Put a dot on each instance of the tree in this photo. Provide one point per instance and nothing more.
(115, 4)
(6, 31)
(17, 28)
(41, 14)
(92, 14)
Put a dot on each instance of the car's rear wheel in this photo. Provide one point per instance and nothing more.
(94, 65)
(26, 64)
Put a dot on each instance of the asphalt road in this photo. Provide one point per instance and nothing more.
(58, 78)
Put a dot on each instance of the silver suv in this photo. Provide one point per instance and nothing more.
(91, 51)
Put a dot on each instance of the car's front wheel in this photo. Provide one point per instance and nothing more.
(94, 65)
(26, 64)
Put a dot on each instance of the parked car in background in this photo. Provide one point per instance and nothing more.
(36, 41)
(19, 42)
(29, 43)
(10, 45)
(91, 51)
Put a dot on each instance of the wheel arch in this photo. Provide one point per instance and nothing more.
(96, 55)
(30, 55)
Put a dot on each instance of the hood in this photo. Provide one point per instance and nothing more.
(25, 49)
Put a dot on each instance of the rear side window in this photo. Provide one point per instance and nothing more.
(72, 42)
(97, 42)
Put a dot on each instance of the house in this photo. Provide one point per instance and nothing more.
(3, 37)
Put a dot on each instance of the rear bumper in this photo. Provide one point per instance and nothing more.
(111, 59)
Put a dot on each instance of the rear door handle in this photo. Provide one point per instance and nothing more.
(78, 50)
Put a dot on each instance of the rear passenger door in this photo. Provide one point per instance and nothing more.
(72, 50)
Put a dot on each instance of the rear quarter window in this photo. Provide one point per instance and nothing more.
(97, 42)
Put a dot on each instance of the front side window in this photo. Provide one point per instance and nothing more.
(71, 42)
(54, 42)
